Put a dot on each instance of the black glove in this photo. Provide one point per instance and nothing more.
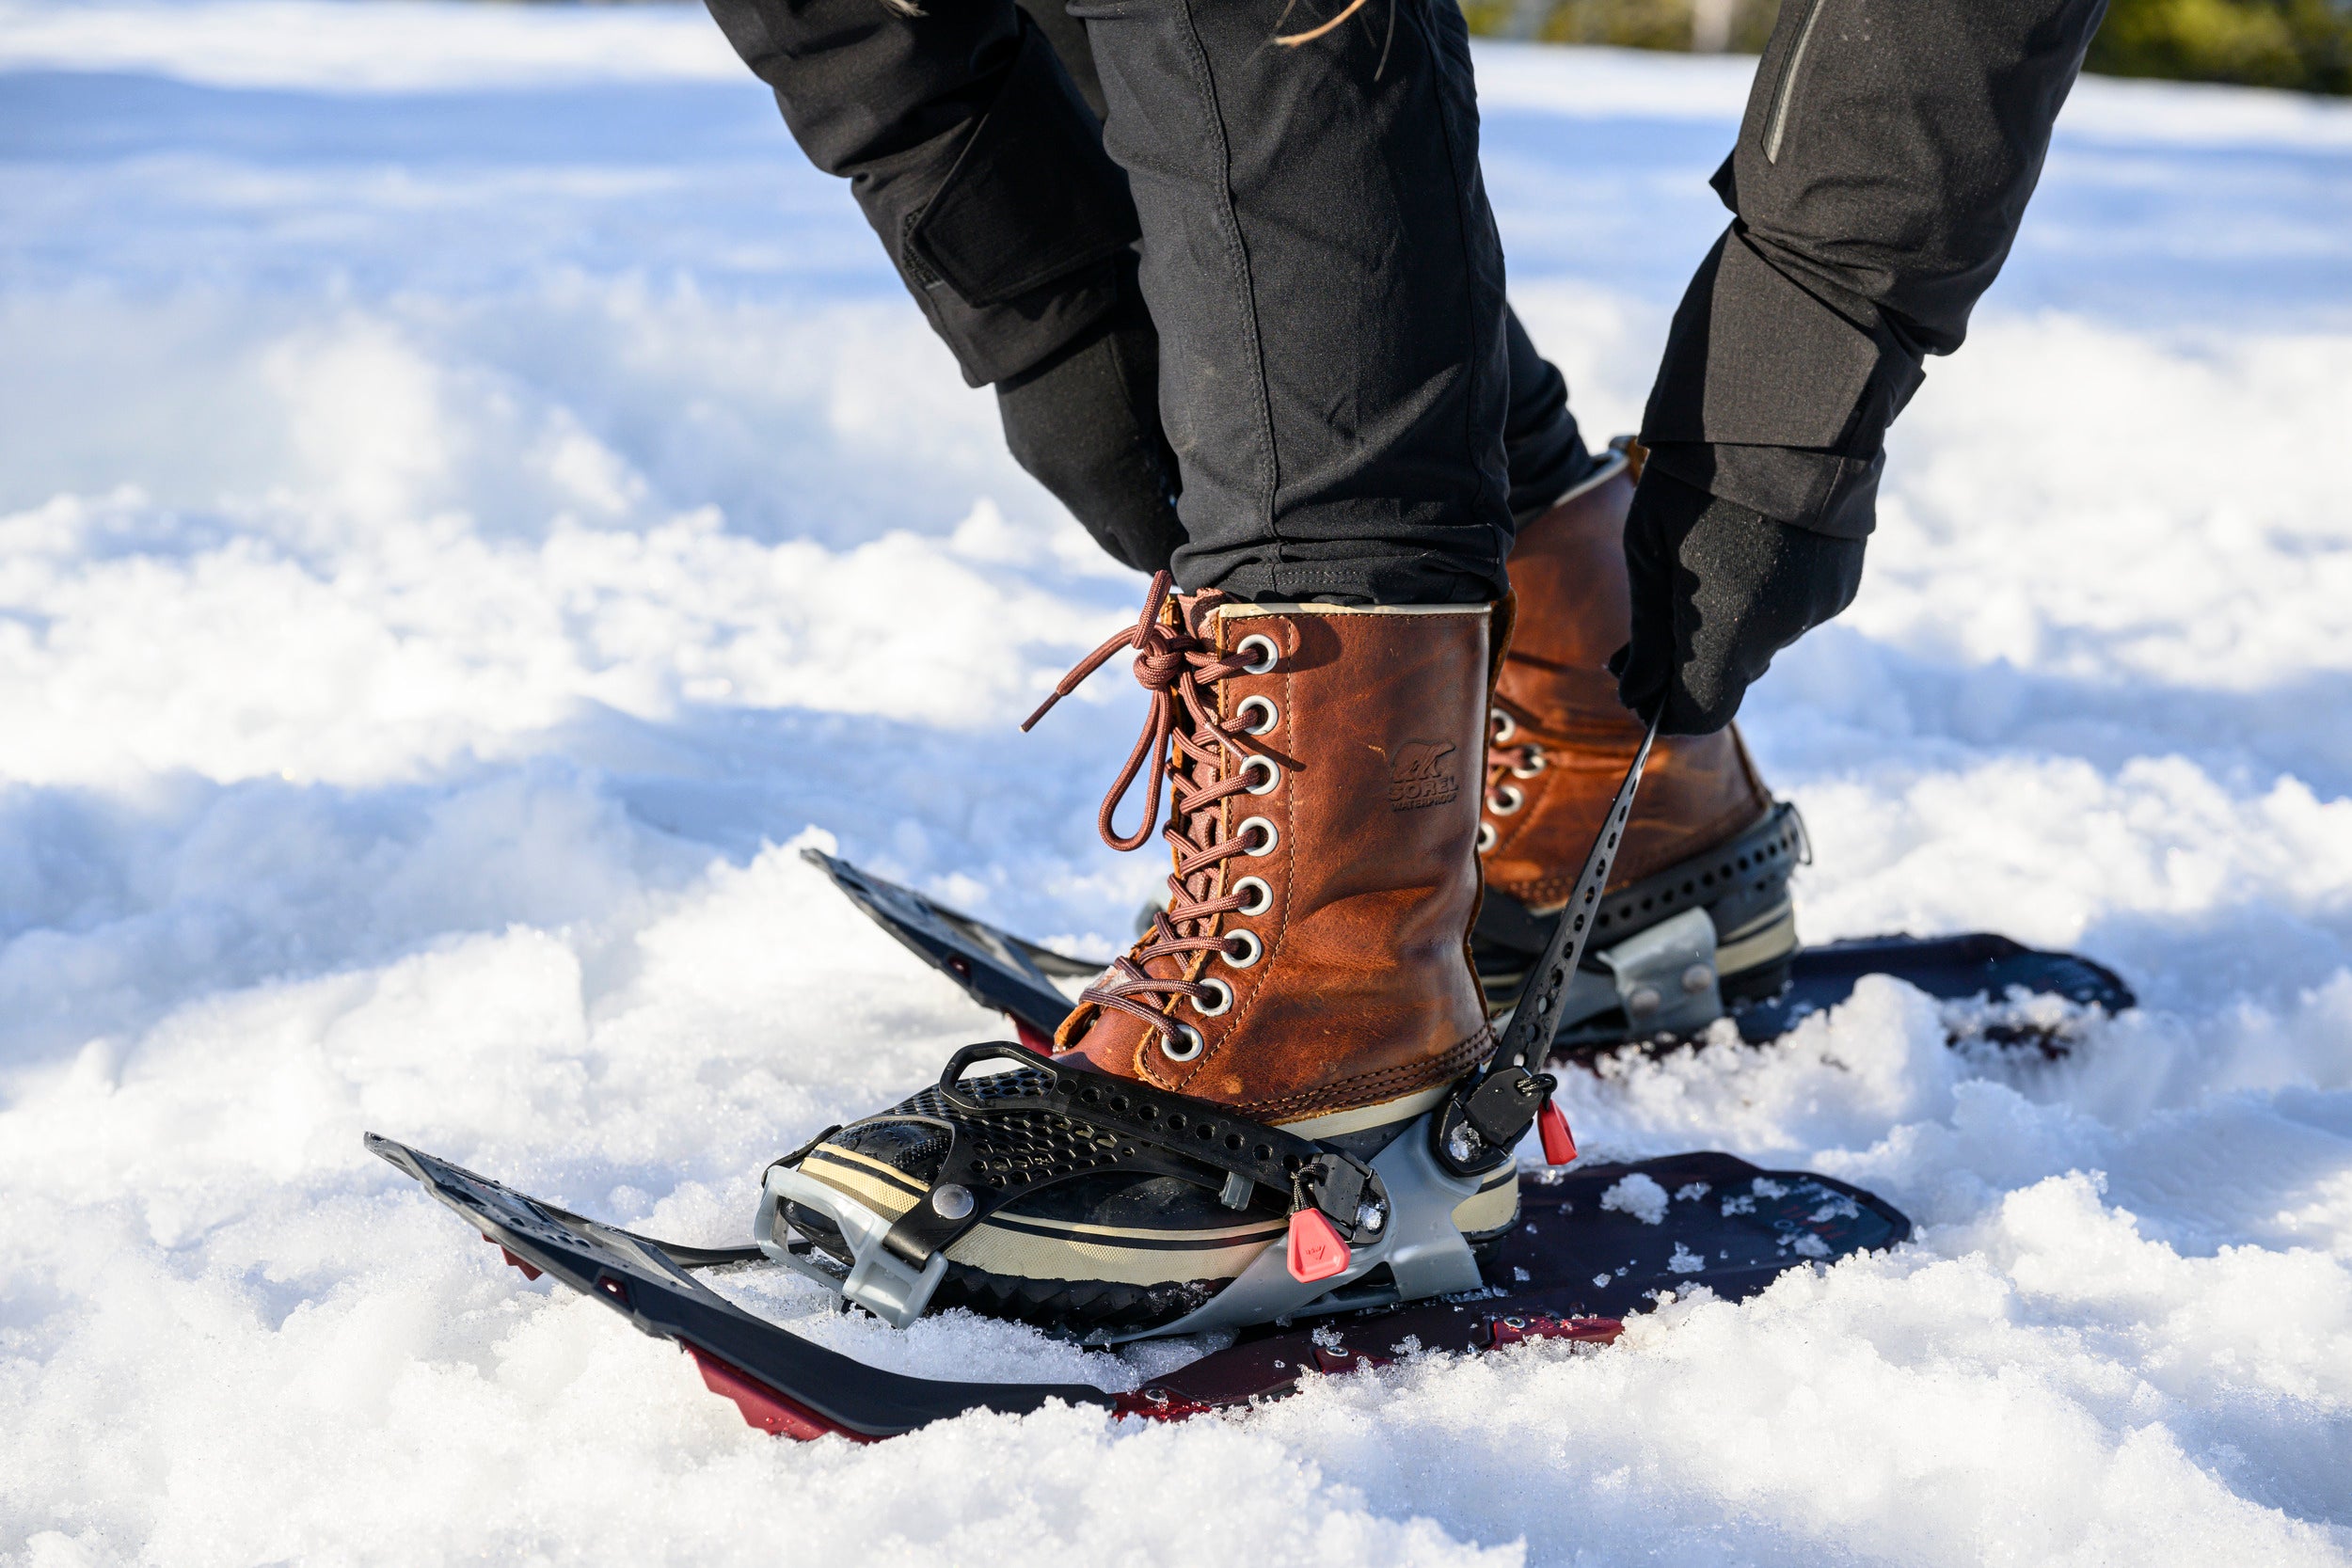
(1086, 424)
(1718, 589)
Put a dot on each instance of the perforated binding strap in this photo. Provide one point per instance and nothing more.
(1015, 1133)
(1483, 1119)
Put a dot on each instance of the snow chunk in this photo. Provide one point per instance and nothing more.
(1686, 1261)
(1638, 1195)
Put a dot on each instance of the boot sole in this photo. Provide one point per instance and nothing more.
(1137, 1276)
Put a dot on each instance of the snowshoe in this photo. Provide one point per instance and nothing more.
(1596, 1245)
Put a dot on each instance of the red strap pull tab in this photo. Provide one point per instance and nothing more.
(1552, 1127)
(1316, 1251)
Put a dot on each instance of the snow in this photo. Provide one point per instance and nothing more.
(472, 503)
(1638, 1195)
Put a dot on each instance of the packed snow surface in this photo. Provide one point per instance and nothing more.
(472, 502)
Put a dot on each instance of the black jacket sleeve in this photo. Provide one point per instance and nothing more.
(970, 151)
(1883, 169)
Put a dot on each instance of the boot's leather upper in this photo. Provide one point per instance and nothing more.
(1562, 742)
(1325, 776)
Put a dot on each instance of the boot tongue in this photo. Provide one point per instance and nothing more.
(1198, 611)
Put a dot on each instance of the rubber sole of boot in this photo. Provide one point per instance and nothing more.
(1150, 1251)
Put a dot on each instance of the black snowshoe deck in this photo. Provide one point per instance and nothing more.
(1008, 975)
(1574, 1268)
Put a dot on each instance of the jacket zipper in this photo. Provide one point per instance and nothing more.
(1783, 91)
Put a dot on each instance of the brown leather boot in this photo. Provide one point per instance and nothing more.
(1311, 971)
(1705, 834)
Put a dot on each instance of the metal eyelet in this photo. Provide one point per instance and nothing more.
(1224, 1000)
(1536, 762)
(1271, 836)
(1273, 715)
(1263, 640)
(1270, 768)
(1486, 836)
(1504, 727)
(1265, 895)
(1505, 800)
(1249, 939)
(1191, 1042)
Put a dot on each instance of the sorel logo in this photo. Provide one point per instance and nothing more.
(1423, 773)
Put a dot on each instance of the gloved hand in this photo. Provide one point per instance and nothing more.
(1086, 424)
(1718, 589)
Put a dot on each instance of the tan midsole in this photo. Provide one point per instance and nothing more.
(840, 1169)
(1018, 1254)
(1753, 946)
(1337, 1124)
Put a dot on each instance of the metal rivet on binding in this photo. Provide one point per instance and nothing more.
(951, 1202)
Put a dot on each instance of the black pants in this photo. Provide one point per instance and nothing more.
(1317, 253)
(1337, 370)
(1543, 449)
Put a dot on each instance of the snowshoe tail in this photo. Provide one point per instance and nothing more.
(996, 969)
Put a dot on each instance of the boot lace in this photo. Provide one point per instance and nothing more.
(1204, 761)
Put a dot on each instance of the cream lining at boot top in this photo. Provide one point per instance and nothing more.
(1245, 611)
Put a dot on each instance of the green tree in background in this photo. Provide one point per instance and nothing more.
(2302, 45)
(2268, 43)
